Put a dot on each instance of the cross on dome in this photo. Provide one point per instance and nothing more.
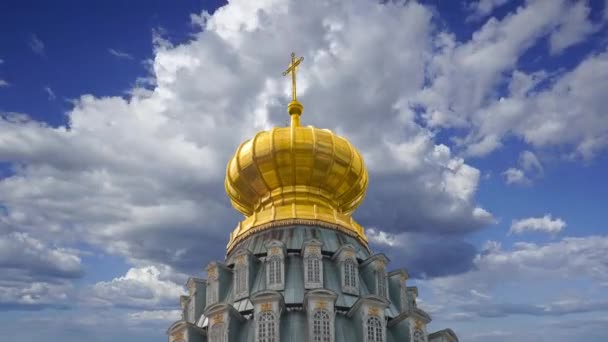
(294, 108)
(292, 70)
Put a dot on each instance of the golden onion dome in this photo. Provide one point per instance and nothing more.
(296, 175)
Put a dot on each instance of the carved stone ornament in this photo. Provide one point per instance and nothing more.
(321, 305)
(177, 336)
(314, 250)
(212, 272)
(218, 318)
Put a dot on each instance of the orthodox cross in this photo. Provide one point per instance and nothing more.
(292, 69)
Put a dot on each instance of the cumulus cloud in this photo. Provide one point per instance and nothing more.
(529, 167)
(573, 29)
(424, 255)
(463, 77)
(140, 287)
(3, 83)
(34, 274)
(530, 163)
(545, 224)
(142, 176)
(515, 176)
(31, 257)
(569, 111)
(500, 273)
(152, 164)
(34, 296)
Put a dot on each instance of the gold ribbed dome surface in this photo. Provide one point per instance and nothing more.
(302, 165)
(296, 175)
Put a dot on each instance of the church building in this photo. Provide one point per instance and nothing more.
(298, 267)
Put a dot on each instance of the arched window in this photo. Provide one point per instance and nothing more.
(274, 271)
(321, 326)
(217, 333)
(375, 331)
(267, 328)
(350, 273)
(381, 274)
(240, 280)
(313, 269)
(418, 335)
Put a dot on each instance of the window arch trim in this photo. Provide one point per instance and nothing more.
(350, 275)
(267, 327)
(374, 329)
(313, 271)
(418, 335)
(274, 272)
(322, 329)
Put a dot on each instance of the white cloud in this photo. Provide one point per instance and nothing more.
(530, 163)
(50, 93)
(515, 176)
(545, 224)
(36, 45)
(574, 28)
(483, 8)
(380, 238)
(567, 258)
(463, 76)
(153, 164)
(568, 112)
(142, 176)
(3, 83)
(36, 295)
(120, 54)
(141, 287)
(512, 282)
(34, 274)
(156, 315)
(529, 167)
(463, 79)
(28, 258)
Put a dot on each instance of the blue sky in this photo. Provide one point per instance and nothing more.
(483, 125)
